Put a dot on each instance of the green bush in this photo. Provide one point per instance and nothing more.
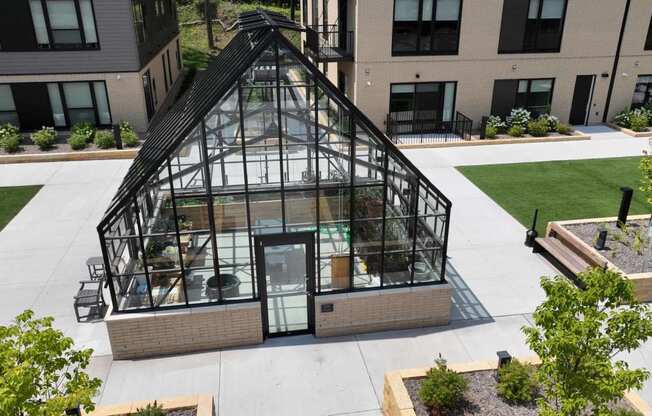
(83, 128)
(538, 128)
(515, 131)
(490, 132)
(129, 138)
(622, 411)
(496, 122)
(104, 139)
(10, 143)
(517, 382)
(77, 141)
(551, 121)
(152, 409)
(8, 129)
(519, 117)
(638, 122)
(44, 138)
(564, 129)
(125, 126)
(442, 387)
(622, 119)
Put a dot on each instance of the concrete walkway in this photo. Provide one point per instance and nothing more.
(42, 253)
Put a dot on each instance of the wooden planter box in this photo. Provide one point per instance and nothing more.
(203, 404)
(642, 281)
(397, 402)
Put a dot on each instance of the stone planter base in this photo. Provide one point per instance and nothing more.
(630, 132)
(203, 404)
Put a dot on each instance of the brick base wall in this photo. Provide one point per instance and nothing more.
(150, 334)
(382, 310)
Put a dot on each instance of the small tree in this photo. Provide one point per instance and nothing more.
(40, 372)
(578, 333)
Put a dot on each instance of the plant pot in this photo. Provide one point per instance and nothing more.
(421, 272)
(230, 286)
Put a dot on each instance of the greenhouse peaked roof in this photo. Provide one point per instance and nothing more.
(257, 31)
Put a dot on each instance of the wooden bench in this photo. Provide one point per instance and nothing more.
(563, 254)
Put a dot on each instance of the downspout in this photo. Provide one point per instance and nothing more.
(612, 82)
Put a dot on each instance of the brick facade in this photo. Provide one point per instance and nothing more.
(184, 330)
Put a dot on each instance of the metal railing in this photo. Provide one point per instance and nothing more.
(329, 43)
(411, 127)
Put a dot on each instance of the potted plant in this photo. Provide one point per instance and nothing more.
(230, 285)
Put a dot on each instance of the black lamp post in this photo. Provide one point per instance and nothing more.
(625, 202)
(532, 234)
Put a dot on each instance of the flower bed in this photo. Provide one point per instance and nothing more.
(401, 393)
(635, 123)
(178, 406)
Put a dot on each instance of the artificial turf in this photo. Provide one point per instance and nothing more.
(13, 199)
(561, 190)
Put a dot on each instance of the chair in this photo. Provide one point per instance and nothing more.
(89, 296)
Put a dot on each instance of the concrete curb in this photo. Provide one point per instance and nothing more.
(69, 156)
(491, 142)
(630, 132)
(203, 403)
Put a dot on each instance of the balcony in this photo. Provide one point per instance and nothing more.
(329, 43)
(413, 127)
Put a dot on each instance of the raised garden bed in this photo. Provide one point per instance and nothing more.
(178, 406)
(631, 132)
(500, 139)
(627, 250)
(402, 386)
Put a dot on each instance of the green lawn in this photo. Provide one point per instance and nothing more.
(13, 199)
(561, 190)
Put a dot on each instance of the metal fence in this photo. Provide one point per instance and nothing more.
(329, 42)
(411, 127)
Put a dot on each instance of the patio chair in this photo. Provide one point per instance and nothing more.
(89, 296)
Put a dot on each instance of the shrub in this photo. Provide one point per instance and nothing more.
(519, 117)
(8, 129)
(152, 409)
(622, 411)
(44, 138)
(623, 119)
(77, 141)
(551, 121)
(129, 138)
(104, 139)
(564, 129)
(125, 126)
(490, 132)
(515, 131)
(10, 143)
(517, 382)
(442, 387)
(638, 121)
(496, 122)
(83, 128)
(538, 128)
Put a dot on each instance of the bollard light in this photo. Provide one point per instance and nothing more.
(602, 240)
(504, 358)
(625, 202)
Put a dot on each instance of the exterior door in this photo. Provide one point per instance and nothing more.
(582, 99)
(285, 265)
(33, 105)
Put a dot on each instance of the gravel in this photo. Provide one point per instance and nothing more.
(620, 248)
(61, 146)
(182, 412)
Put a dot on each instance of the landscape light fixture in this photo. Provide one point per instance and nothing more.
(531, 234)
(625, 203)
(504, 358)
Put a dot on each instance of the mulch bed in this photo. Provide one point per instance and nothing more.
(61, 146)
(182, 412)
(481, 399)
(620, 248)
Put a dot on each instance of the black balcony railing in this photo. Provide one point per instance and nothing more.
(329, 43)
(411, 127)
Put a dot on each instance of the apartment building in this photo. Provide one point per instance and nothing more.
(582, 60)
(102, 61)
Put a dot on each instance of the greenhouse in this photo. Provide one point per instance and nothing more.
(265, 186)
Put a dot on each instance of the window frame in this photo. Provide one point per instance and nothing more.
(13, 99)
(430, 52)
(648, 91)
(66, 108)
(529, 91)
(140, 23)
(52, 46)
(562, 24)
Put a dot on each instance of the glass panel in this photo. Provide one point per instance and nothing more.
(58, 114)
(334, 239)
(522, 86)
(541, 85)
(78, 116)
(63, 14)
(9, 117)
(167, 288)
(369, 158)
(427, 266)
(266, 213)
(533, 12)
(449, 101)
(367, 235)
(552, 9)
(66, 36)
(301, 211)
(426, 10)
(237, 280)
(285, 277)
(102, 102)
(448, 10)
(88, 21)
(78, 95)
(39, 22)
(397, 268)
(6, 98)
(187, 162)
(406, 10)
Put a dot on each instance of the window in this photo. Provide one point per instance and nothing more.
(8, 112)
(423, 107)
(427, 27)
(532, 26)
(643, 91)
(64, 24)
(535, 95)
(74, 102)
(139, 20)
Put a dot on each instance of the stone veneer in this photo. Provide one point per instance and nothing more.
(381, 310)
(138, 335)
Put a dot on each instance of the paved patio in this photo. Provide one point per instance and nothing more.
(42, 253)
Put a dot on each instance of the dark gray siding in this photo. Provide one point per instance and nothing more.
(118, 50)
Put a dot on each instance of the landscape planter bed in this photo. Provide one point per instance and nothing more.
(631, 132)
(500, 139)
(177, 406)
(620, 251)
(400, 393)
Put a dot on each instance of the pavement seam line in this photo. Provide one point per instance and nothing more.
(366, 368)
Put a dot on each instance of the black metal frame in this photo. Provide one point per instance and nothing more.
(535, 50)
(15, 110)
(648, 91)
(65, 46)
(529, 91)
(261, 32)
(271, 240)
(329, 43)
